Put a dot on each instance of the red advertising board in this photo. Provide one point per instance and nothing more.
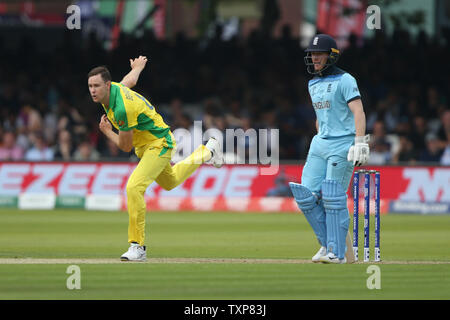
(243, 183)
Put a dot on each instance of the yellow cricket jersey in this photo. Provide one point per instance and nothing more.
(128, 110)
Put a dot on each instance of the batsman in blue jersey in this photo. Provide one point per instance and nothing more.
(339, 145)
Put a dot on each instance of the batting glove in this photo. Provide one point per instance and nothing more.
(359, 153)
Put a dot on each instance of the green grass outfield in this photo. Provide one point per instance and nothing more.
(213, 256)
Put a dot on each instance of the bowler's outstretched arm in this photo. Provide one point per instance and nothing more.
(137, 65)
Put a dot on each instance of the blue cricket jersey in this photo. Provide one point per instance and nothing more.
(330, 95)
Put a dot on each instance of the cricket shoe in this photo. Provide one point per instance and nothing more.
(322, 252)
(216, 152)
(135, 253)
(332, 258)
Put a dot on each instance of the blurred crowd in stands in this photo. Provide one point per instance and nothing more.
(259, 82)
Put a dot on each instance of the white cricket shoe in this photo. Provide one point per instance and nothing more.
(216, 152)
(135, 253)
(322, 252)
(332, 258)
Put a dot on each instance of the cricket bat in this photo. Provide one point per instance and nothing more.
(349, 253)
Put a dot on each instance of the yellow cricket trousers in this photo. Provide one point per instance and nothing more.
(155, 166)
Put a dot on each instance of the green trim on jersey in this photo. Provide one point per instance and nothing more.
(163, 151)
(120, 114)
(146, 123)
(112, 95)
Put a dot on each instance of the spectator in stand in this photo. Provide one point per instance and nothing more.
(175, 112)
(246, 145)
(29, 119)
(444, 129)
(64, 149)
(186, 140)
(380, 153)
(404, 126)
(70, 119)
(112, 152)
(9, 119)
(444, 137)
(418, 133)
(413, 109)
(287, 125)
(86, 152)
(213, 116)
(406, 153)
(9, 150)
(387, 111)
(234, 114)
(40, 151)
(445, 158)
(28, 122)
(268, 122)
(433, 151)
(9, 97)
(433, 101)
(378, 132)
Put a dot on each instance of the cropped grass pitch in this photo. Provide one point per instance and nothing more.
(212, 256)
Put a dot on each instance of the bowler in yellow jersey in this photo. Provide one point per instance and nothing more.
(140, 126)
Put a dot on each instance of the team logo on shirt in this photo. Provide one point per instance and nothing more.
(120, 123)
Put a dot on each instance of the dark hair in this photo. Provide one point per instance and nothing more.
(102, 70)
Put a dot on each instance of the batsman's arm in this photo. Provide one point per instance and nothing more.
(358, 153)
(132, 77)
(356, 107)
